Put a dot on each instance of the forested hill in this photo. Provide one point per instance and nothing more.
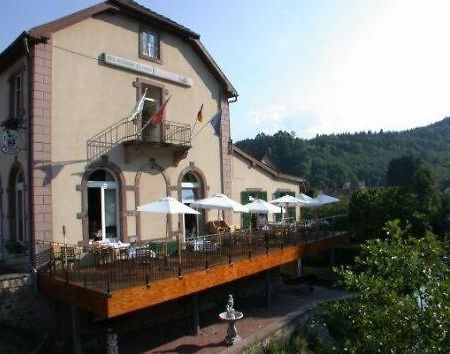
(332, 160)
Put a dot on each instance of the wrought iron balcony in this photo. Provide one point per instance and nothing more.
(112, 282)
(133, 133)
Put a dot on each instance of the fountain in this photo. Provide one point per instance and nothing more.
(231, 316)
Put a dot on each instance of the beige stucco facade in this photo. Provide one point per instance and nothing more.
(248, 176)
(10, 164)
(82, 96)
(90, 96)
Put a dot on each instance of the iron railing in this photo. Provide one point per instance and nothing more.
(107, 269)
(137, 130)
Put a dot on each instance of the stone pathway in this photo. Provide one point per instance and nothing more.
(259, 323)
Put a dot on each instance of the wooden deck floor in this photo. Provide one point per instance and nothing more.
(131, 286)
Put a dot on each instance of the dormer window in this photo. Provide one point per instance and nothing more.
(149, 45)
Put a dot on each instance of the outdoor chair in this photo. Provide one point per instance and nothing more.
(217, 226)
(66, 255)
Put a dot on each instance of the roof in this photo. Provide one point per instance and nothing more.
(128, 8)
(274, 172)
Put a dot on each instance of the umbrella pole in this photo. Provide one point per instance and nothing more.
(179, 246)
(167, 236)
(250, 227)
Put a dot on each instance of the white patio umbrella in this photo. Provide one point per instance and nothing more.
(286, 201)
(167, 205)
(325, 199)
(262, 207)
(306, 200)
(220, 202)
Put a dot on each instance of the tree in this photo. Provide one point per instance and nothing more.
(402, 296)
(370, 209)
(401, 170)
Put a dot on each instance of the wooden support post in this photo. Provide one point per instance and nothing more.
(195, 314)
(76, 339)
(268, 288)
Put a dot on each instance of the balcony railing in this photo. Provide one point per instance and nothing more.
(166, 133)
(108, 269)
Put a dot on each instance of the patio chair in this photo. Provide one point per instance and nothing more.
(66, 254)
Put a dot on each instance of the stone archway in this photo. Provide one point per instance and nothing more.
(18, 204)
(115, 170)
(192, 174)
(151, 183)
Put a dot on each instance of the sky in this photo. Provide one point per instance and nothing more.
(307, 66)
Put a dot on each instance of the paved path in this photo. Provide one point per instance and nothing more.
(288, 304)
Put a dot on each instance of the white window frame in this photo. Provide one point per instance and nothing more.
(189, 185)
(20, 219)
(143, 47)
(103, 185)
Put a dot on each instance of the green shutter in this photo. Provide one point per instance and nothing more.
(277, 216)
(245, 217)
(292, 212)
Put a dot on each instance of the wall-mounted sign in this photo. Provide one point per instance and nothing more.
(123, 63)
(10, 142)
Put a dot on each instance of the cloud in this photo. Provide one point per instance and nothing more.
(391, 72)
(286, 117)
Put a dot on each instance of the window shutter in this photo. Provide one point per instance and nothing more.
(11, 97)
(277, 216)
(245, 218)
(292, 211)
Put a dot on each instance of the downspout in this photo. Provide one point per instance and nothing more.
(233, 99)
(30, 64)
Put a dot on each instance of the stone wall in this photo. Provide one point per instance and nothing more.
(19, 306)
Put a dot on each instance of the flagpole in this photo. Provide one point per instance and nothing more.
(196, 119)
(209, 121)
(158, 111)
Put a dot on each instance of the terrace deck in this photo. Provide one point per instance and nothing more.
(127, 285)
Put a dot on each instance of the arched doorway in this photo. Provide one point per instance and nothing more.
(191, 189)
(103, 206)
(19, 196)
(17, 206)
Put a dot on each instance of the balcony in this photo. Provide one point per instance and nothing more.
(136, 136)
(111, 282)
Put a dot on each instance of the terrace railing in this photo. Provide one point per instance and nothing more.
(109, 269)
(136, 130)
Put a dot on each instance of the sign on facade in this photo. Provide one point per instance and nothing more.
(10, 142)
(128, 64)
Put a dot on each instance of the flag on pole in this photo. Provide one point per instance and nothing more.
(159, 114)
(138, 108)
(216, 122)
(200, 114)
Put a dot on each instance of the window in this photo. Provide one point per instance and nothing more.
(247, 197)
(20, 209)
(190, 191)
(149, 46)
(151, 105)
(16, 96)
(103, 206)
